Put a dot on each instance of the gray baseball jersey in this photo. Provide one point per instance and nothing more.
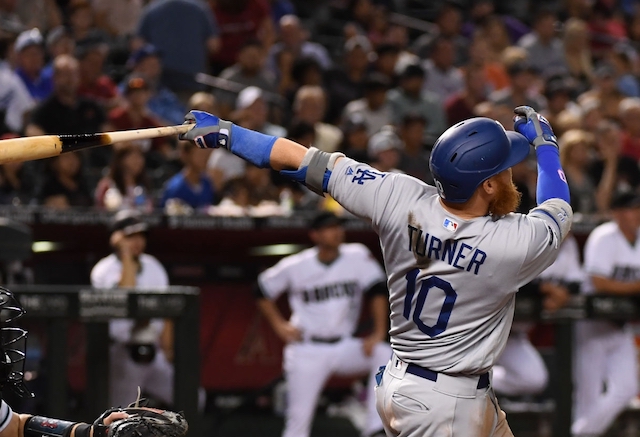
(452, 282)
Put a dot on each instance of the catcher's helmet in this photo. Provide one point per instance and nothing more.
(13, 343)
(470, 152)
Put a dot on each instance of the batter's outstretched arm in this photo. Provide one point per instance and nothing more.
(259, 149)
(359, 188)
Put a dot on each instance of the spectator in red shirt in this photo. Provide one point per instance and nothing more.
(239, 21)
(605, 29)
(94, 84)
(629, 115)
(460, 106)
(133, 114)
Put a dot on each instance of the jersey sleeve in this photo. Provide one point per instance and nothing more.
(368, 193)
(599, 256)
(99, 276)
(543, 230)
(275, 280)
(161, 279)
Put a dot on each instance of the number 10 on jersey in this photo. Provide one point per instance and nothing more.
(426, 285)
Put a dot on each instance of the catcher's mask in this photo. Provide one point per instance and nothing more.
(13, 343)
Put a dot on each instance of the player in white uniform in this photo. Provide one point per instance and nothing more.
(325, 286)
(136, 355)
(605, 351)
(454, 254)
(520, 370)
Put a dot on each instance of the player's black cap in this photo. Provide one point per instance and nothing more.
(326, 219)
(625, 200)
(129, 222)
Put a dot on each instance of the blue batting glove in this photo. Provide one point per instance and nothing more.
(209, 131)
(535, 128)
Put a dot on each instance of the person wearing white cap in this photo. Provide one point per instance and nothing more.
(251, 112)
(249, 70)
(29, 49)
(384, 149)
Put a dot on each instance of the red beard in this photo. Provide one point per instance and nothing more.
(507, 199)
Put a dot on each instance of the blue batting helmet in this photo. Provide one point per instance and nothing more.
(470, 152)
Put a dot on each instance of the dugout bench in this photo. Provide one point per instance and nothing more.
(58, 305)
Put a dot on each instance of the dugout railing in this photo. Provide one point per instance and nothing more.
(57, 306)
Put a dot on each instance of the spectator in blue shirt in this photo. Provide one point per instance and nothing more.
(29, 49)
(164, 103)
(191, 187)
(193, 36)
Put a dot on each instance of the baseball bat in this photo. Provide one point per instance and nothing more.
(47, 146)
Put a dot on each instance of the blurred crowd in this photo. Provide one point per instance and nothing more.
(379, 80)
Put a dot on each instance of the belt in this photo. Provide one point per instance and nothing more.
(414, 369)
(326, 340)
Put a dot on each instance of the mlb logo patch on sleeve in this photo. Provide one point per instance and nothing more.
(450, 225)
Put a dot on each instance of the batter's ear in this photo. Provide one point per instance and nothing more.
(490, 186)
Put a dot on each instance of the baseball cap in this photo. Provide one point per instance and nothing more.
(326, 219)
(248, 96)
(56, 34)
(385, 139)
(558, 84)
(604, 71)
(143, 52)
(376, 82)
(31, 37)
(135, 83)
(129, 222)
(354, 122)
(625, 199)
(357, 41)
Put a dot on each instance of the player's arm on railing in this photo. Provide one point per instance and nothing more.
(602, 284)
